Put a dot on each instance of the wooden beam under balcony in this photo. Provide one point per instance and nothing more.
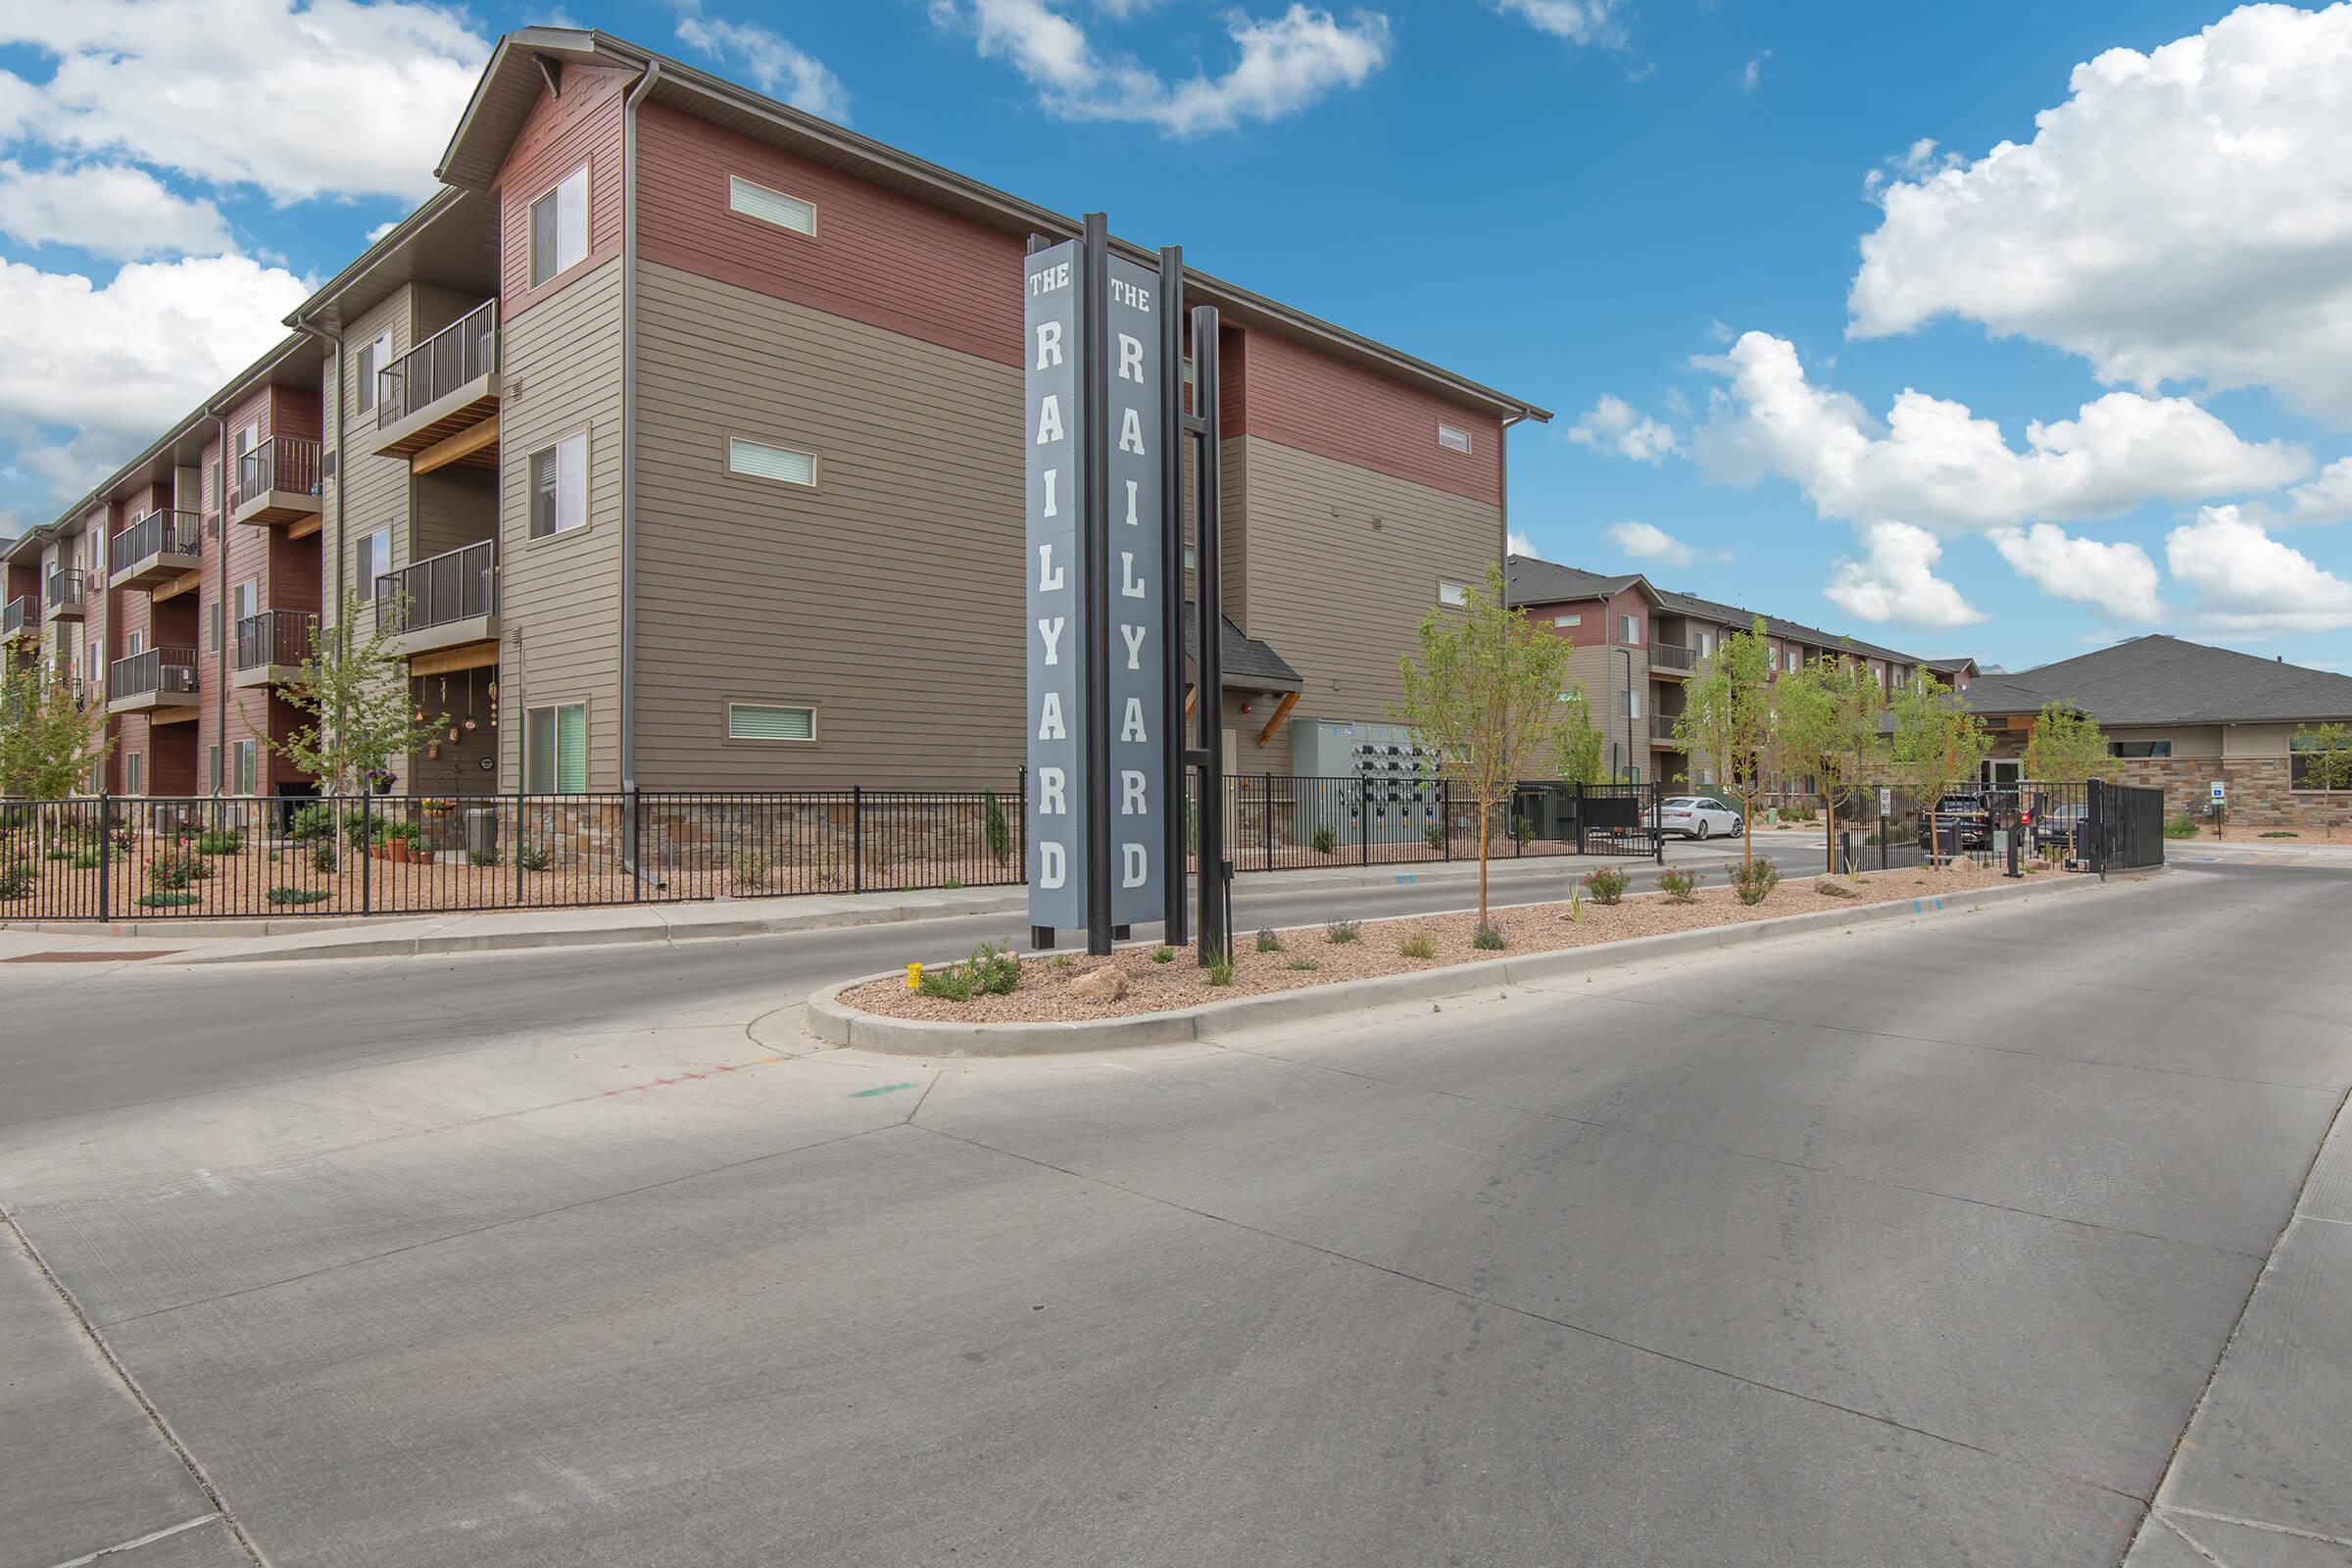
(449, 660)
(186, 584)
(478, 446)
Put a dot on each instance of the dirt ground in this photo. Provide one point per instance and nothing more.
(1307, 955)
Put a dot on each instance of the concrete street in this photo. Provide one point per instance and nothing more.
(1918, 1244)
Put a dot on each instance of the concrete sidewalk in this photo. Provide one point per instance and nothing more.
(405, 936)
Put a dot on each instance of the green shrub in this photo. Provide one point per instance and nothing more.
(60, 853)
(952, 884)
(1434, 836)
(166, 900)
(1488, 938)
(298, 895)
(2182, 826)
(990, 971)
(410, 833)
(176, 866)
(219, 841)
(1417, 945)
(16, 877)
(1343, 931)
(311, 823)
(1606, 884)
(1681, 886)
(1220, 972)
(531, 857)
(994, 828)
(1164, 955)
(323, 856)
(748, 869)
(85, 861)
(1303, 964)
(1755, 881)
(1326, 841)
(487, 857)
(1523, 829)
(1267, 941)
(1062, 960)
(2281, 833)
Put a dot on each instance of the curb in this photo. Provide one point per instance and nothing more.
(829, 1020)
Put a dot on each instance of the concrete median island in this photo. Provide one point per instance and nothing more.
(1069, 1002)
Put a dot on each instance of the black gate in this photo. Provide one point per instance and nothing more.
(1620, 820)
(2125, 826)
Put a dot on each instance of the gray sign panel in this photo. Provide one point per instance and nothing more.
(1138, 613)
(1056, 633)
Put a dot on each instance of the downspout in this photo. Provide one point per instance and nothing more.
(333, 605)
(628, 423)
(220, 600)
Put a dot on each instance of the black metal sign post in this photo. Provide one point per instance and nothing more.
(1171, 583)
(1215, 941)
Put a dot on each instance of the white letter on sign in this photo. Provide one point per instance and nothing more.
(1131, 794)
(1131, 728)
(1050, 865)
(1051, 630)
(1049, 723)
(1048, 576)
(1133, 876)
(1051, 801)
(1053, 478)
(1131, 432)
(1049, 344)
(1135, 645)
(1049, 419)
(1131, 359)
(1129, 583)
(1133, 522)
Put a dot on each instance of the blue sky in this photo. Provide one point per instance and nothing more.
(1795, 318)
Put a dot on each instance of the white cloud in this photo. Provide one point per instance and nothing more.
(108, 210)
(326, 97)
(1751, 75)
(119, 361)
(1895, 580)
(1286, 63)
(2249, 582)
(1577, 20)
(1937, 464)
(2184, 214)
(1519, 544)
(2326, 497)
(1615, 425)
(1645, 541)
(2118, 582)
(382, 228)
(775, 66)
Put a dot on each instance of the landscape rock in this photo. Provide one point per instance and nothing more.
(1099, 986)
(1835, 889)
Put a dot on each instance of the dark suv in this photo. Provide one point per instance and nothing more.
(1961, 822)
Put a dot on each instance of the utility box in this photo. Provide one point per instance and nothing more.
(1397, 797)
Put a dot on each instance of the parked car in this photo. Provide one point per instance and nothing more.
(1961, 822)
(1693, 816)
(2055, 825)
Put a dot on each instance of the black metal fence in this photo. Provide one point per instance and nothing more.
(153, 857)
(2096, 826)
(2124, 826)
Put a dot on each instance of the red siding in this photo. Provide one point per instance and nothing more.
(1302, 398)
(876, 257)
(558, 135)
(1592, 614)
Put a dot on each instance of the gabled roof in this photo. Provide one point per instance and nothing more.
(2165, 680)
(523, 60)
(1963, 665)
(1527, 580)
(1244, 661)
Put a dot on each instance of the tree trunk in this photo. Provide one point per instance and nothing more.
(1485, 828)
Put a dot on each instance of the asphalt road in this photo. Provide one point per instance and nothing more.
(1919, 1244)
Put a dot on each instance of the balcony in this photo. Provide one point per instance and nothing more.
(277, 485)
(64, 596)
(271, 645)
(1668, 658)
(158, 679)
(156, 549)
(445, 601)
(19, 617)
(439, 402)
(1661, 728)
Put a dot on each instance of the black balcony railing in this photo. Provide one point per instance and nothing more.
(1661, 726)
(274, 637)
(166, 670)
(288, 462)
(464, 351)
(455, 585)
(65, 590)
(158, 533)
(17, 616)
(1667, 656)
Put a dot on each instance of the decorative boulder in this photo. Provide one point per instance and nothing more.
(1832, 887)
(1099, 985)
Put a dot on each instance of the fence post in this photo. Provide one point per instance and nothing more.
(1658, 823)
(106, 846)
(1021, 821)
(1445, 813)
(366, 849)
(858, 838)
(636, 843)
(1268, 804)
(515, 849)
(1846, 851)
(1882, 840)
(1363, 820)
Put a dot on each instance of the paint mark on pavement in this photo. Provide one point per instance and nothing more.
(869, 1094)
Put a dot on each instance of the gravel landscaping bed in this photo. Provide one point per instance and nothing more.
(1055, 988)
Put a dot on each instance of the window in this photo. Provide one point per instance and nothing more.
(2139, 748)
(375, 560)
(759, 721)
(1189, 561)
(560, 486)
(212, 768)
(755, 459)
(772, 206)
(1706, 644)
(1630, 703)
(243, 598)
(215, 616)
(241, 761)
(1567, 620)
(555, 750)
(1628, 630)
(560, 227)
(374, 356)
(133, 774)
(1452, 593)
(97, 667)
(134, 643)
(1451, 439)
(1795, 657)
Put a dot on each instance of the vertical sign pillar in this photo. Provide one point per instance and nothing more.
(1055, 710)
(1134, 712)
(1171, 596)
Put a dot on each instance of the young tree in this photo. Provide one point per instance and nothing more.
(352, 686)
(2066, 745)
(1829, 727)
(2325, 751)
(1580, 744)
(52, 736)
(1482, 696)
(1938, 743)
(1728, 717)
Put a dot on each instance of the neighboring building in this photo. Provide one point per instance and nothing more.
(1956, 674)
(2185, 716)
(1637, 645)
(678, 439)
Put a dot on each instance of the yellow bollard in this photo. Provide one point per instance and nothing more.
(914, 977)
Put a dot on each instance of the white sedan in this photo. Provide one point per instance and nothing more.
(1695, 816)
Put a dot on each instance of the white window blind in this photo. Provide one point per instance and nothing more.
(560, 486)
(772, 206)
(555, 750)
(1453, 440)
(757, 721)
(759, 461)
(1452, 593)
(560, 227)
(1567, 620)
